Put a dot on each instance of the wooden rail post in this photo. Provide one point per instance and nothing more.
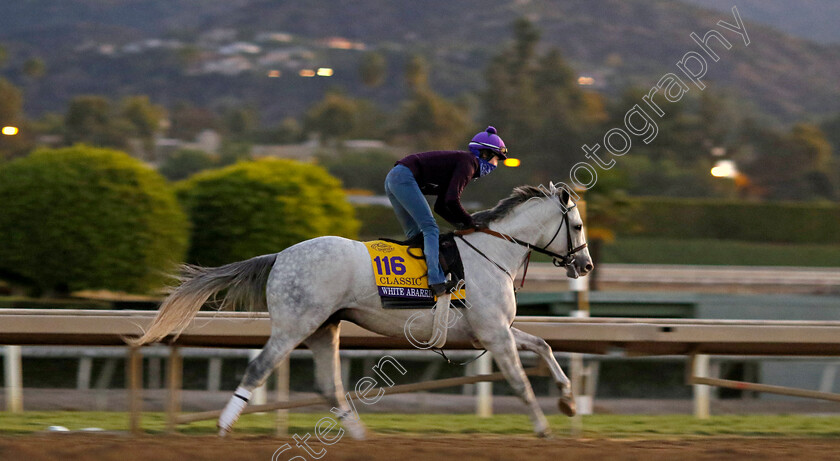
(702, 392)
(134, 368)
(14, 380)
(484, 394)
(174, 382)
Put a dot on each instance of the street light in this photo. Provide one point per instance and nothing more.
(724, 169)
(10, 130)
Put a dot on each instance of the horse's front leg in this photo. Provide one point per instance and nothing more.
(503, 347)
(529, 342)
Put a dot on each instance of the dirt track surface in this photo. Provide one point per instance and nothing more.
(102, 447)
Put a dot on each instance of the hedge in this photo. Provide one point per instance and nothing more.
(777, 222)
(87, 218)
(262, 207)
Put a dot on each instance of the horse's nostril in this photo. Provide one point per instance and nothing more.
(589, 267)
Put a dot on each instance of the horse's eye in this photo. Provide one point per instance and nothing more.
(579, 227)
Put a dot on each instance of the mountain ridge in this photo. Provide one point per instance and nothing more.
(629, 42)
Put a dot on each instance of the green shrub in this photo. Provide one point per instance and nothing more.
(779, 222)
(261, 207)
(88, 218)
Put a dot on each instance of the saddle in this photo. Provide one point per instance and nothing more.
(450, 262)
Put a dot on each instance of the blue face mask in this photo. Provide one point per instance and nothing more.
(486, 167)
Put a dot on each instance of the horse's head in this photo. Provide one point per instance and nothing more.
(548, 221)
(578, 261)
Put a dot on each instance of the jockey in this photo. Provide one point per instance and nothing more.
(444, 174)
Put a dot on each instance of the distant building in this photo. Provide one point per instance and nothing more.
(280, 37)
(341, 43)
(286, 56)
(208, 141)
(232, 65)
(240, 48)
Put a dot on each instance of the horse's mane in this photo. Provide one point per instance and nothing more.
(519, 196)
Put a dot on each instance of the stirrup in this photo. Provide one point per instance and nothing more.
(447, 287)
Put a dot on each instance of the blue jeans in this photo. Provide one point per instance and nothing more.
(415, 216)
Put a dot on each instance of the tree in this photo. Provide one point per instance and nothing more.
(240, 123)
(831, 128)
(144, 118)
(789, 166)
(86, 218)
(261, 207)
(183, 163)
(11, 104)
(431, 122)
(335, 117)
(813, 154)
(537, 106)
(90, 120)
(417, 73)
(34, 68)
(360, 170)
(187, 121)
(372, 69)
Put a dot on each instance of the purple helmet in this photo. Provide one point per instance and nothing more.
(488, 139)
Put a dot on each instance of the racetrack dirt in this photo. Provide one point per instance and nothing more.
(107, 447)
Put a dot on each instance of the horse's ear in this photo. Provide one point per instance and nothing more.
(564, 196)
(552, 188)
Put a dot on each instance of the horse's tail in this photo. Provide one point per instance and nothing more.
(245, 281)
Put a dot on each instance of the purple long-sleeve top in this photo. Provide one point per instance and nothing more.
(445, 174)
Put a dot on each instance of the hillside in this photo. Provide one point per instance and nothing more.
(620, 42)
(814, 20)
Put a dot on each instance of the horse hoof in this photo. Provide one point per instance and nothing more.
(546, 434)
(357, 432)
(567, 406)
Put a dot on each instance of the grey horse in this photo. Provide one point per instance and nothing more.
(310, 287)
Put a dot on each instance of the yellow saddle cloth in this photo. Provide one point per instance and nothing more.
(400, 271)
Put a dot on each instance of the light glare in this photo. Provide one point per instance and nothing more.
(724, 169)
(512, 162)
(10, 130)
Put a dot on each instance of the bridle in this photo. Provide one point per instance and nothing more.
(559, 260)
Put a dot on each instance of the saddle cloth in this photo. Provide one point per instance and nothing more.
(401, 274)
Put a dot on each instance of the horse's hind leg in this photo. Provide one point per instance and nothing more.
(501, 344)
(287, 331)
(538, 345)
(279, 345)
(324, 346)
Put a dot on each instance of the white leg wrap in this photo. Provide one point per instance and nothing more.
(233, 409)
